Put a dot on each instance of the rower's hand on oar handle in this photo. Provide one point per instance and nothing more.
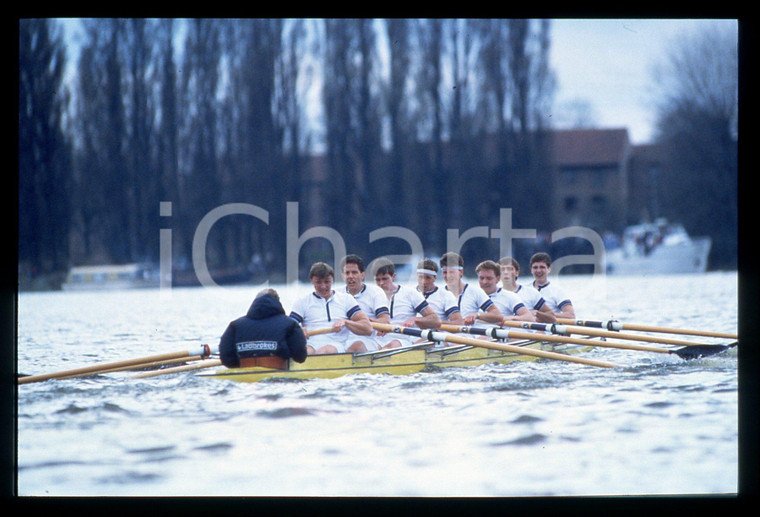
(411, 322)
(544, 317)
(316, 332)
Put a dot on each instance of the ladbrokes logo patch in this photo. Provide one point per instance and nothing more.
(251, 346)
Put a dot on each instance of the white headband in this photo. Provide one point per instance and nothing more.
(451, 267)
(427, 272)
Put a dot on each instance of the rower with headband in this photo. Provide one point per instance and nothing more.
(474, 303)
(408, 308)
(443, 302)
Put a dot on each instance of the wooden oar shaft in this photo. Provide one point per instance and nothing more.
(156, 364)
(208, 363)
(587, 331)
(99, 368)
(452, 338)
(596, 343)
(512, 334)
(616, 325)
(317, 332)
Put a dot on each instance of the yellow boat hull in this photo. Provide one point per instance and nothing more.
(404, 362)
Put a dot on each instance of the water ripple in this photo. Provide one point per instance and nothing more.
(286, 412)
(531, 439)
(462, 431)
(527, 419)
(214, 447)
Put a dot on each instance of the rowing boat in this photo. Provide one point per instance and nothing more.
(437, 349)
(396, 361)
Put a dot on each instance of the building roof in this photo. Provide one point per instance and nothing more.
(589, 147)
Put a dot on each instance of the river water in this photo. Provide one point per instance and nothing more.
(655, 425)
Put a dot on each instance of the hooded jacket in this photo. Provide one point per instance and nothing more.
(264, 331)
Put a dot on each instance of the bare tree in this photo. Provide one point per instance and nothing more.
(697, 108)
(352, 124)
(44, 153)
(397, 106)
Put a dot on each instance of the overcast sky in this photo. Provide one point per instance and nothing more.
(607, 64)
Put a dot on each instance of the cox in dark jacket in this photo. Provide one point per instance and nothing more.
(264, 331)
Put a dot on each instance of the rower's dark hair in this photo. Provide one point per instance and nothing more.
(352, 259)
(384, 266)
(451, 259)
(509, 261)
(427, 263)
(489, 264)
(541, 257)
(321, 270)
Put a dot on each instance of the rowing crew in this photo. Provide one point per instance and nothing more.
(349, 313)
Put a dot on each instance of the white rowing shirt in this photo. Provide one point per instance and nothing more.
(507, 302)
(554, 296)
(372, 300)
(472, 299)
(406, 303)
(374, 303)
(442, 301)
(314, 312)
(530, 295)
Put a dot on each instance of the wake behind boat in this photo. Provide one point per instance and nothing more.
(658, 248)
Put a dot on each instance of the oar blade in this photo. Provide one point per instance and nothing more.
(696, 352)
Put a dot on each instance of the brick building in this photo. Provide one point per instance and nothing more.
(598, 180)
(591, 178)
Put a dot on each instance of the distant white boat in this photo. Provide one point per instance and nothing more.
(658, 248)
(126, 276)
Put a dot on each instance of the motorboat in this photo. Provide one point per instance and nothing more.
(657, 248)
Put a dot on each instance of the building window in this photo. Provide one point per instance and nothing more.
(568, 176)
(598, 203)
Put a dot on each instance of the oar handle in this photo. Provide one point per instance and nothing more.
(507, 334)
(612, 325)
(616, 325)
(511, 334)
(586, 331)
(204, 351)
(444, 336)
(317, 332)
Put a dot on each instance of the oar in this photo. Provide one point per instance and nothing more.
(587, 331)
(444, 336)
(317, 332)
(204, 351)
(689, 350)
(617, 326)
(208, 363)
(155, 364)
(510, 334)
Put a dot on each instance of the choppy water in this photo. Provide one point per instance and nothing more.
(656, 425)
